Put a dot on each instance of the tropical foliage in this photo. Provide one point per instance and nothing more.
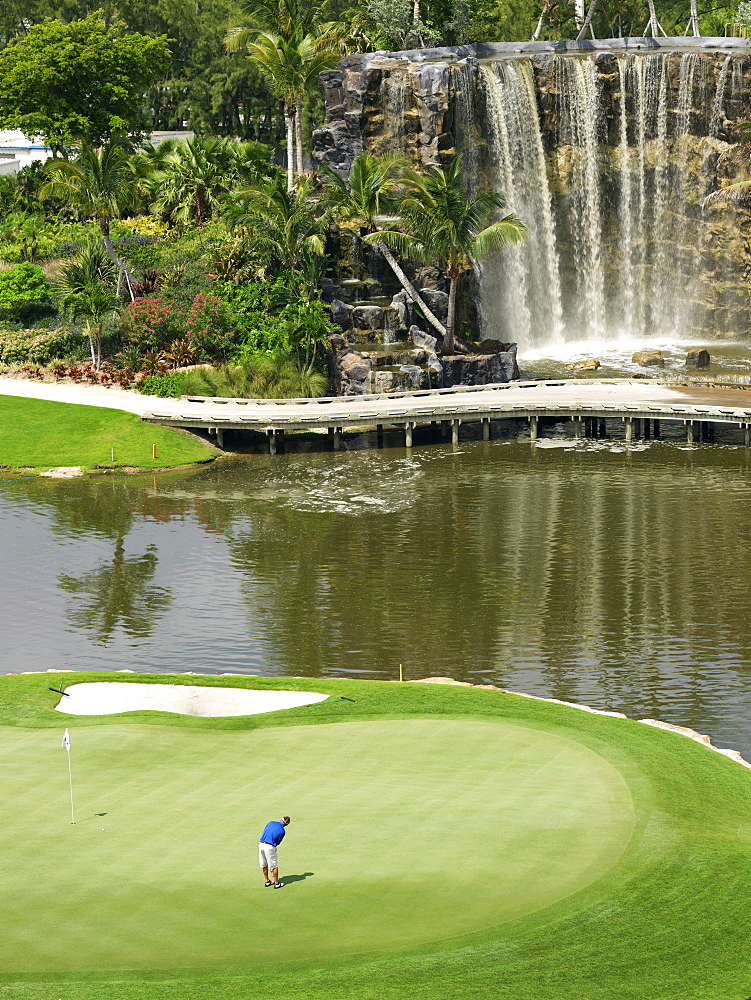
(440, 225)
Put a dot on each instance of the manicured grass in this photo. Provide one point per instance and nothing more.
(40, 434)
(446, 842)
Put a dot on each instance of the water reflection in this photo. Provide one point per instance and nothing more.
(615, 577)
(117, 594)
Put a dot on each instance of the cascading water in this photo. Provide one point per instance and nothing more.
(609, 169)
(528, 288)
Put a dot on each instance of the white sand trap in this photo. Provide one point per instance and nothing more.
(111, 697)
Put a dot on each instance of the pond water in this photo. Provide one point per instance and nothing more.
(729, 359)
(613, 576)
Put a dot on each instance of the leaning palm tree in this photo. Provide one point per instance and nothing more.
(361, 200)
(291, 66)
(100, 184)
(443, 227)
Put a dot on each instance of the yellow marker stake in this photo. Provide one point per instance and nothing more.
(153, 451)
(401, 677)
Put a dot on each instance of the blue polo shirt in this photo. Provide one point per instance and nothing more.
(273, 833)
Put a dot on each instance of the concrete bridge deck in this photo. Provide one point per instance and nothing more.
(691, 402)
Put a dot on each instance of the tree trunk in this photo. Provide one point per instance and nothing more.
(587, 20)
(90, 335)
(202, 209)
(410, 289)
(119, 264)
(543, 15)
(298, 136)
(290, 153)
(694, 19)
(654, 25)
(448, 343)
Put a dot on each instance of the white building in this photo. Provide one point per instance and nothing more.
(18, 151)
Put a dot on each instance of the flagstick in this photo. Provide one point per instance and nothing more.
(70, 778)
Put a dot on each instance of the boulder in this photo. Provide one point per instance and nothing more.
(353, 372)
(437, 302)
(368, 317)
(478, 369)
(648, 359)
(584, 365)
(341, 314)
(421, 339)
(414, 374)
(698, 358)
(330, 291)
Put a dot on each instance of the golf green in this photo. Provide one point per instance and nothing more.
(403, 832)
(446, 844)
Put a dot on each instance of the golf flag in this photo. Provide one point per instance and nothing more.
(66, 746)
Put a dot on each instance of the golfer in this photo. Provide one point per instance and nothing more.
(271, 838)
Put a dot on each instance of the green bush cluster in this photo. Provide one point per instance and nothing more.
(24, 291)
(38, 347)
(167, 386)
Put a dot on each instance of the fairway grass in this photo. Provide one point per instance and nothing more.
(445, 842)
(38, 434)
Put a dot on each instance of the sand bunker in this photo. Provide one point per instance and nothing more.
(111, 697)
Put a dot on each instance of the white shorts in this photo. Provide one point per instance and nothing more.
(267, 856)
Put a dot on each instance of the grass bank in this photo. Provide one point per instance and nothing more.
(446, 843)
(38, 434)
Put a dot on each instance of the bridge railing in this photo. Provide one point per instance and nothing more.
(730, 381)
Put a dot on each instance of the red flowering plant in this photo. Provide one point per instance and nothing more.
(153, 322)
(210, 328)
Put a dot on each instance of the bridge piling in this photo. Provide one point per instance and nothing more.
(219, 437)
(689, 431)
(379, 435)
(577, 426)
(455, 425)
(629, 422)
(486, 428)
(408, 434)
(533, 428)
(747, 435)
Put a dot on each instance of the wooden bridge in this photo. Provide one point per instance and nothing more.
(639, 405)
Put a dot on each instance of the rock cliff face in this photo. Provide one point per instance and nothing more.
(607, 150)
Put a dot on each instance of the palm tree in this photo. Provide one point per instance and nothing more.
(94, 303)
(285, 225)
(444, 227)
(361, 200)
(190, 177)
(291, 65)
(738, 153)
(100, 184)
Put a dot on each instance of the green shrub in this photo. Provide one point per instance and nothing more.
(24, 290)
(18, 347)
(169, 385)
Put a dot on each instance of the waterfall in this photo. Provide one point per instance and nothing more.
(395, 88)
(525, 284)
(608, 163)
(717, 106)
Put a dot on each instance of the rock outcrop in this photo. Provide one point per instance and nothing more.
(431, 104)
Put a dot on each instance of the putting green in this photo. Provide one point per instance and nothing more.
(404, 832)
